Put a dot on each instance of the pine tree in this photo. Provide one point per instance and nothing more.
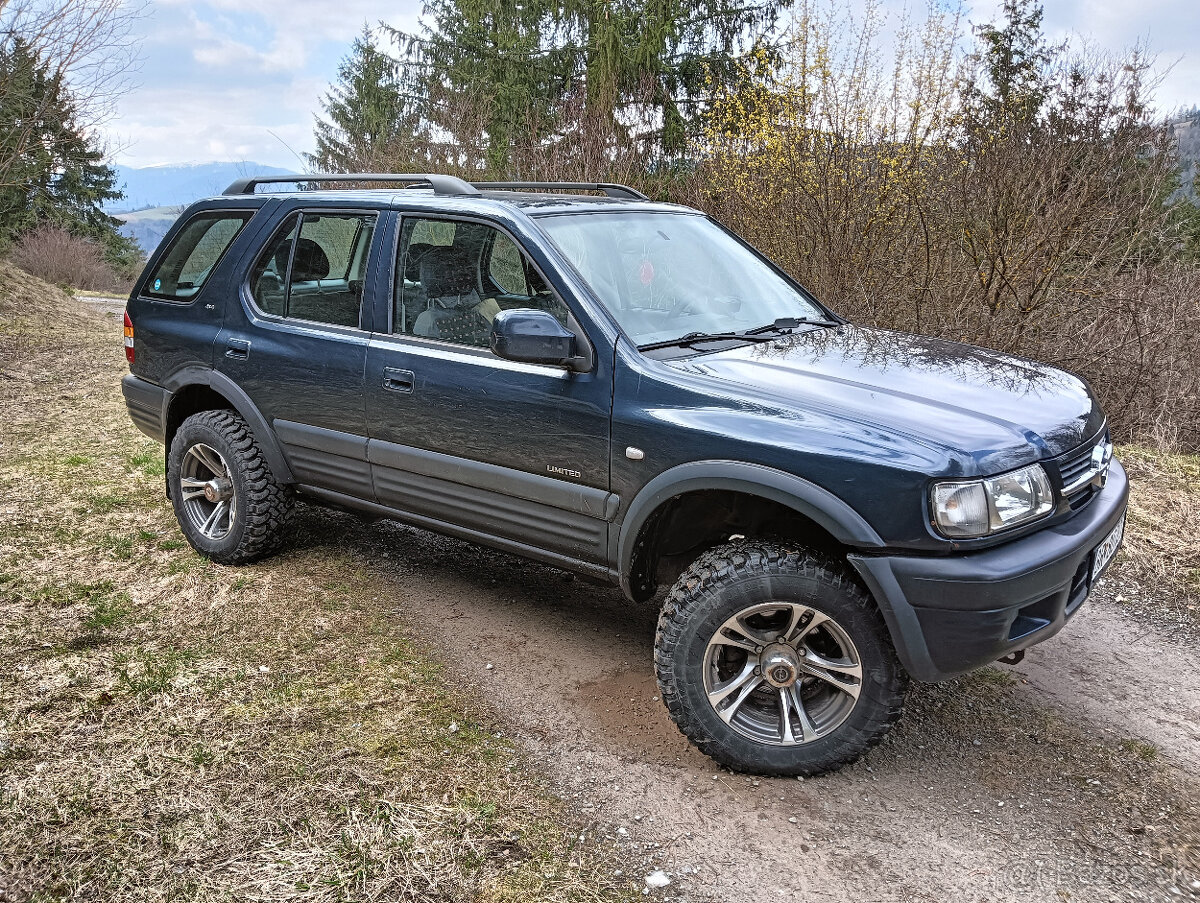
(50, 171)
(366, 113)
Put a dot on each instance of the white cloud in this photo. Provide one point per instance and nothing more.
(239, 79)
(1168, 27)
(236, 80)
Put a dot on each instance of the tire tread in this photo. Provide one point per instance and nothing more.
(734, 561)
(266, 504)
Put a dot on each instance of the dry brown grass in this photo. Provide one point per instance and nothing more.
(1162, 547)
(173, 729)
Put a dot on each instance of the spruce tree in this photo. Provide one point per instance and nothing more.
(50, 170)
(532, 70)
(366, 114)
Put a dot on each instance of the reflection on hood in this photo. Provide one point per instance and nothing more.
(967, 397)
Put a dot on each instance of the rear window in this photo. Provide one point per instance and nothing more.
(195, 253)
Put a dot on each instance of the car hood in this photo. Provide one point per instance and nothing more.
(998, 410)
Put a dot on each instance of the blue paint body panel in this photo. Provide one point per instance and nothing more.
(847, 426)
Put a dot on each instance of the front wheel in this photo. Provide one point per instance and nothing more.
(227, 501)
(773, 660)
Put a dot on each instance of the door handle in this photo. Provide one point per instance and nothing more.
(238, 349)
(402, 381)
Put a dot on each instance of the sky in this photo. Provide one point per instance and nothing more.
(241, 80)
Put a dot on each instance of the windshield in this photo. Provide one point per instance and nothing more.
(666, 275)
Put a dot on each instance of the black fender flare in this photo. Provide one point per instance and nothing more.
(819, 505)
(241, 402)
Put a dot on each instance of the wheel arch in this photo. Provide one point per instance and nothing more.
(808, 502)
(196, 389)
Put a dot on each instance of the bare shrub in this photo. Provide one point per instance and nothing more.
(56, 256)
(1020, 206)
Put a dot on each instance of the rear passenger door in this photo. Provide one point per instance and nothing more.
(500, 449)
(299, 347)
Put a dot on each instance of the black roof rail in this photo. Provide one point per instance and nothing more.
(451, 185)
(609, 188)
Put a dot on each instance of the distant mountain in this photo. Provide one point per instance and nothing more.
(169, 186)
(147, 227)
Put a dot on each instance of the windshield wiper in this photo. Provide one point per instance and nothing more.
(787, 324)
(693, 337)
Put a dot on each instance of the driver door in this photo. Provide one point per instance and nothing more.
(510, 452)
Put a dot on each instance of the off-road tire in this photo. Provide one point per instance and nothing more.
(264, 505)
(728, 579)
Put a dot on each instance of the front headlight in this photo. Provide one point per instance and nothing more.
(979, 507)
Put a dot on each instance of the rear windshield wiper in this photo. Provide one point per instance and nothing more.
(693, 337)
(786, 324)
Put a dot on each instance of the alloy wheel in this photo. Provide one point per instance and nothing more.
(206, 489)
(782, 673)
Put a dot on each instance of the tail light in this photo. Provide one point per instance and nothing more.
(128, 338)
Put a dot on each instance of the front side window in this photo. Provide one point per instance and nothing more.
(665, 275)
(195, 253)
(453, 277)
(315, 268)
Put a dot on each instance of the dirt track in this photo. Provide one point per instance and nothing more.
(1027, 783)
(1073, 776)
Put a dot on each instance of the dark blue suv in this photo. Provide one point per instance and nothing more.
(625, 389)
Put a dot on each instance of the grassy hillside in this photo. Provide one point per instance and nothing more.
(173, 729)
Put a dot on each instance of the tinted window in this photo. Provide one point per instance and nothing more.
(195, 253)
(315, 267)
(268, 279)
(452, 278)
(506, 266)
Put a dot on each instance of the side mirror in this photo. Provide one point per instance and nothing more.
(534, 337)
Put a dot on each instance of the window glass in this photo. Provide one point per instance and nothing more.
(506, 266)
(433, 232)
(195, 253)
(663, 275)
(315, 267)
(452, 278)
(268, 279)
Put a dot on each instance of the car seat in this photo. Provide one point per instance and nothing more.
(455, 312)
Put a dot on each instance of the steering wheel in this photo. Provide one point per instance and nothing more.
(680, 308)
(731, 302)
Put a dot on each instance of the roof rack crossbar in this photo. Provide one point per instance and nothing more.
(448, 185)
(611, 189)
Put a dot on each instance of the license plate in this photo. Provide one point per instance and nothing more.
(1103, 555)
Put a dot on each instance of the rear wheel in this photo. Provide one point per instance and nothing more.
(772, 659)
(228, 503)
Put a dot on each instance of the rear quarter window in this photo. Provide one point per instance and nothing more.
(194, 254)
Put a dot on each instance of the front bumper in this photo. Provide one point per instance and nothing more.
(950, 615)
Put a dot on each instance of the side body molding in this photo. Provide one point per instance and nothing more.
(819, 505)
(218, 382)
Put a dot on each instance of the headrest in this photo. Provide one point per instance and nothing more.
(412, 260)
(446, 272)
(309, 264)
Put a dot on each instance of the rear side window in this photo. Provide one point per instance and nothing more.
(195, 253)
(314, 268)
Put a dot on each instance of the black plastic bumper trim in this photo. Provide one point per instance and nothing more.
(146, 404)
(950, 615)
